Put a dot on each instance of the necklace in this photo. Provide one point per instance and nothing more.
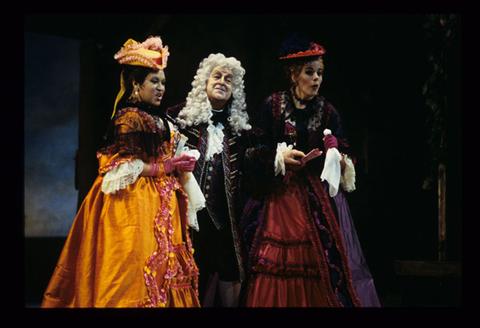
(300, 100)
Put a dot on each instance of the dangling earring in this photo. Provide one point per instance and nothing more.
(134, 98)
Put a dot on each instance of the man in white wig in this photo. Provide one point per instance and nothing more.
(215, 120)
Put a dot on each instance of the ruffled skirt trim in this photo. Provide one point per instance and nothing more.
(286, 274)
(178, 281)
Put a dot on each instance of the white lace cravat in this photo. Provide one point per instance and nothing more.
(215, 141)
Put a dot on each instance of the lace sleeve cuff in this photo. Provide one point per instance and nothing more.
(121, 176)
(279, 162)
(347, 179)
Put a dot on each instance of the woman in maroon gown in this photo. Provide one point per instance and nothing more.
(302, 249)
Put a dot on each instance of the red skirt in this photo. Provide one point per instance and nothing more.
(286, 270)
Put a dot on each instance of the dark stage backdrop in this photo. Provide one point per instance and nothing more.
(376, 68)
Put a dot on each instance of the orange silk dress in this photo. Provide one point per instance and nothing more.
(130, 248)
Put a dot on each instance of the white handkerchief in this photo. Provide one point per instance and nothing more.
(332, 171)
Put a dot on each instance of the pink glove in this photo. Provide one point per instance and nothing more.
(183, 163)
(330, 141)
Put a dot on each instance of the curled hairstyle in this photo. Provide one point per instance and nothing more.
(294, 66)
(198, 108)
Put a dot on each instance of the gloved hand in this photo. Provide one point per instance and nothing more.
(330, 141)
(182, 163)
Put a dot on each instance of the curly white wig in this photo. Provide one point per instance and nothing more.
(198, 108)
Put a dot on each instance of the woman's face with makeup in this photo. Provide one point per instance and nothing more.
(309, 80)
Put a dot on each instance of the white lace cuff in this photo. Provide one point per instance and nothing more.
(121, 176)
(279, 161)
(347, 179)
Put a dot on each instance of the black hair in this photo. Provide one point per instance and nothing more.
(130, 74)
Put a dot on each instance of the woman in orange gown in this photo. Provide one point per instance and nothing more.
(129, 245)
